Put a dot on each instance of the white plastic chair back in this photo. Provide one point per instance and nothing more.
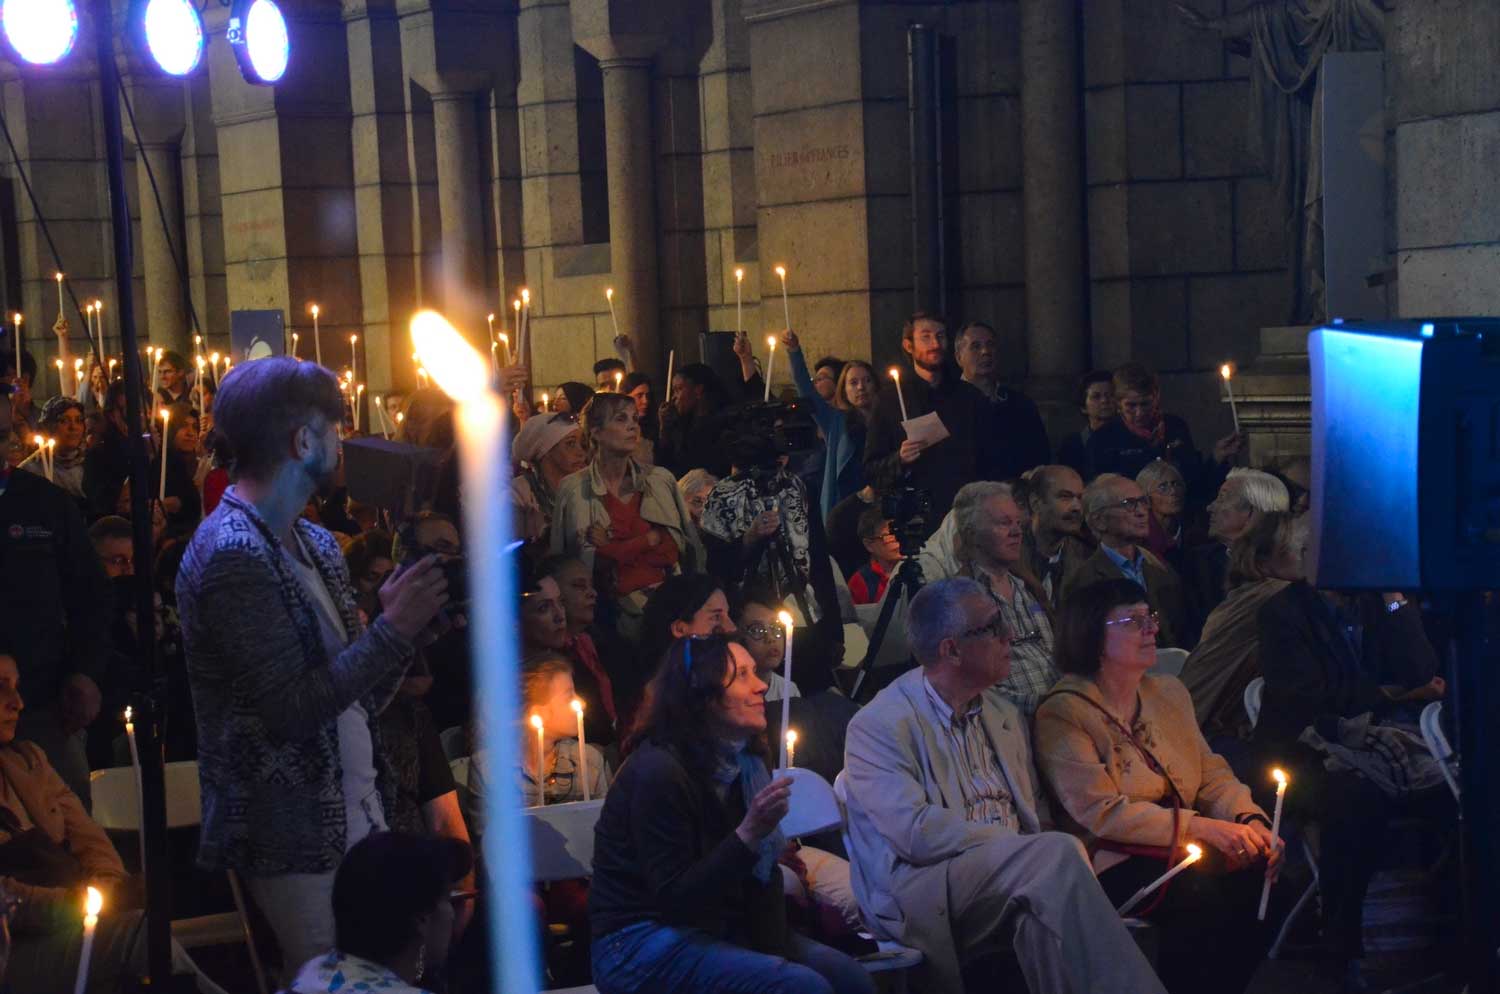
(460, 768)
(1169, 662)
(813, 807)
(562, 839)
(1254, 691)
(117, 803)
(1437, 743)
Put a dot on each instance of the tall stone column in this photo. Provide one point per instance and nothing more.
(161, 246)
(1052, 196)
(632, 203)
(456, 130)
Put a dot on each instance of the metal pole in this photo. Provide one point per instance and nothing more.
(922, 103)
(153, 786)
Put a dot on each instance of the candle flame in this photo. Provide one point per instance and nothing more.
(201, 361)
(88, 308)
(17, 318)
(1194, 853)
(505, 338)
(526, 296)
(128, 713)
(771, 342)
(576, 705)
(895, 373)
(609, 293)
(536, 722)
(38, 441)
(77, 363)
(546, 401)
(781, 271)
(51, 444)
(1280, 777)
(739, 274)
(453, 364)
(1226, 371)
(98, 305)
(353, 339)
(94, 903)
(59, 277)
(58, 364)
(490, 317)
(197, 339)
(400, 416)
(159, 353)
(516, 303)
(791, 738)
(785, 619)
(618, 378)
(313, 308)
(166, 414)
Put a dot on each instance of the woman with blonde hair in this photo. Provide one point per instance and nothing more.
(842, 421)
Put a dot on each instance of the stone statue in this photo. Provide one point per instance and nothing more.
(1286, 41)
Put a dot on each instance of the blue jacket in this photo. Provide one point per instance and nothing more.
(843, 469)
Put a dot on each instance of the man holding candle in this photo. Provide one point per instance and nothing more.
(286, 679)
(946, 831)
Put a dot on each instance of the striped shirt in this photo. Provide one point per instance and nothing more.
(1032, 669)
(982, 781)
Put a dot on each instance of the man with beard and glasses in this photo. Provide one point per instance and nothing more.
(1055, 541)
(893, 460)
(287, 681)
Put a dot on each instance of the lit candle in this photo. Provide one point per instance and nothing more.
(155, 373)
(770, 364)
(380, 417)
(786, 674)
(294, 347)
(546, 402)
(62, 387)
(671, 358)
(354, 354)
(112, 370)
(317, 338)
(135, 764)
(17, 319)
(609, 295)
(583, 752)
(1265, 891)
(786, 309)
(490, 319)
(896, 376)
(484, 461)
(523, 336)
(213, 366)
(92, 905)
(541, 761)
(1227, 372)
(505, 359)
(52, 459)
(59, 294)
(515, 303)
(359, 390)
(739, 300)
(1193, 855)
(166, 445)
(791, 748)
(77, 375)
(202, 367)
(619, 379)
(99, 322)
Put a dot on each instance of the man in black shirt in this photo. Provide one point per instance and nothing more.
(55, 605)
(1015, 437)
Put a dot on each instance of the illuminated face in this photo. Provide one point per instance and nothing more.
(978, 353)
(1099, 403)
(928, 345)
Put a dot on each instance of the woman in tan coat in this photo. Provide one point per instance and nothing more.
(1131, 775)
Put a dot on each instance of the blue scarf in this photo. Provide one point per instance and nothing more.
(736, 763)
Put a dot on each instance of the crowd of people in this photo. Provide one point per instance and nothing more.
(1021, 771)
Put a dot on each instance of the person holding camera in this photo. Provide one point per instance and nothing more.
(287, 681)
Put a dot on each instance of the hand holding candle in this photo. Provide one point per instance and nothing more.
(1227, 372)
(1265, 892)
(583, 749)
(1193, 855)
(786, 674)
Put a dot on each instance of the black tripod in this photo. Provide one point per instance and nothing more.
(907, 581)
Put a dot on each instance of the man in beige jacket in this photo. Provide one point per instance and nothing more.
(947, 850)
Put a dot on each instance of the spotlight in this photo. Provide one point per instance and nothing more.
(174, 35)
(258, 35)
(39, 31)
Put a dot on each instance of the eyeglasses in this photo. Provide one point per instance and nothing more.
(761, 632)
(1149, 622)
(1170, 487)
(1130, 504)
(992, 629)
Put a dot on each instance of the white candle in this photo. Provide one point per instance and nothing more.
(516, 305)
(52, 459)
(583, 749)
(523, 336)
(546, 402)
(739, 299)
(92, 905)
(294, 347)
(59, 295)
(317, 338)
(17, 319)
(77, 375)
(354, 354)
(1194, 854)
(786, 674)
(135, 764)
(484, 462)
(619, 380)
(770, 364)
(609, 295)
(505, 359)
(541, 761)
(1265, 890)
(359, 390)
(62, 387)
(379, 408)
(791, 748)
(166, 446)
(213, 367)
(786, 310)
(490, 320)
(99, 322)
(112, 370)
(671, 358)
(900, 397)
(1227, 372)
(155, 373)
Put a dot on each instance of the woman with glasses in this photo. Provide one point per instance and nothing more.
(687, 893)
(1167, 492)
(765, 637)
(843, 419)
(1134, 779)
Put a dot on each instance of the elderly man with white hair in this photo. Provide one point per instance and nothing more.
(947, 848)
(1118, 513)
(1243, 497)
(990, 530)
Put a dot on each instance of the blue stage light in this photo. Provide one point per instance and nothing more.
(258, 34)
(40, 31)
(174, 35)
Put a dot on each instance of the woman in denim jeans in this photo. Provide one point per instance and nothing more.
(687, 894)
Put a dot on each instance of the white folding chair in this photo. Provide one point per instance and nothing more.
(117, 807)
(1169, 662)
(460, 769)
(562, 848)
(1437, 743)
(1254, 691)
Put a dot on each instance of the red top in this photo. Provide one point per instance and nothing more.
(214, 485)
(641, 553)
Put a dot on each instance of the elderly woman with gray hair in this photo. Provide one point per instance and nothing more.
(1167, 491)
(694, 487)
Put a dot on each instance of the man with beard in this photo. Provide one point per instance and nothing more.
(1015, 437)
(893, 460)
(286, 680)
(1055, 543)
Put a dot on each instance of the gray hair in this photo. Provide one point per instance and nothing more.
(937, 613)
(1260, 491)
(968, 506)
(1097, 496)
(1154, 473)
(695, 479)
